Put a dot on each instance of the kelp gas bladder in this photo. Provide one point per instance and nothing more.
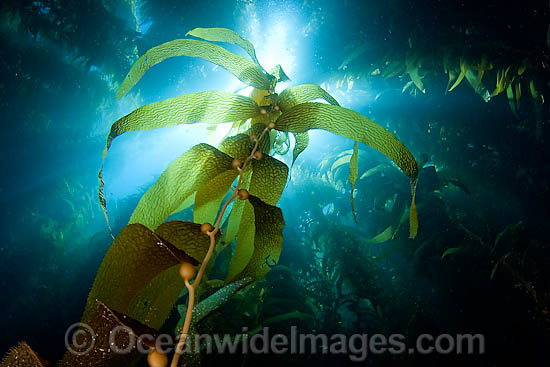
(150, 260)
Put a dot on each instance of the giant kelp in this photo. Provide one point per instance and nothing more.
(150, 261)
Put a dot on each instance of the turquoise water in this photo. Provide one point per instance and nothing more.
(479, 264)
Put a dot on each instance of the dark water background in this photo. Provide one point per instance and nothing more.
(60, 62)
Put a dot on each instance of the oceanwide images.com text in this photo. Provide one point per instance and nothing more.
(80, 339)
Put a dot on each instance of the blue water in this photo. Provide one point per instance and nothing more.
(483, 168)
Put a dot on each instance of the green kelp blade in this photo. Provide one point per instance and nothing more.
(210, 106)
(278, 72)
(353, 173)
(415, 77)
(353, 125)
(268, 240)
(227, 36)
(181, 179)
(210, 304)
(293, 96)
(384, 236)
(512, 100)
(463, 71)
(136, 256)
(302, 141)
(451, 251)
(244, 247)
(210, 196)
(234, 221)
(349, 124)
(267, 182)
(246, 71)
(345, 159)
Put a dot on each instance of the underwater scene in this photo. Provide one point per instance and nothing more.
(260, 182)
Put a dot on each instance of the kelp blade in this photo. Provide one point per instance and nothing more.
(112, 331)
(22, 356)
(349, 124)
(245, 70)
(209, 197)
(268, 240)
(181, 179)
(208, 106)
(353, 125)
(228, 36)
(152, 305)
(298, 94)
(267, 182)
(136, 256)
(302, 141)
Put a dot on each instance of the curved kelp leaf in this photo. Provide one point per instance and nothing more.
(22, 356)
(293, 96)
(267, 182)
(345, 159)
(181, 179)
(463, 71)
(210, 196)
(245, 70)
(350, 124)
(235, 217)
(238, 146)
(136, 256)
(268, 239)
(208, 106)
(186, 236)
(412, 69)
(302, 141)
(278, 72)
(228, 36)
(153, 304)
(112, 331)
(353, 173)
(268, 179)
(384, 236)
(212, 303)
(353, 125)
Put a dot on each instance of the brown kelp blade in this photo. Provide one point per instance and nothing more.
(23, 356)
(134, 259)
(152, 305)
(246, 71)
(186, 236)
(353, 125)
(108, 338)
